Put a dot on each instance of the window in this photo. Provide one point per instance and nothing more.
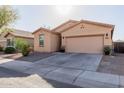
(10, 42)
(41, 40)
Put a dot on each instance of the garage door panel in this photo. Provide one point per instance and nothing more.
(91, 44)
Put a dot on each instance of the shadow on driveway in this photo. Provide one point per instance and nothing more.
(4, 73)
(35, 56)
(7, 74)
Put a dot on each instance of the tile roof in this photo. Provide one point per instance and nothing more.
(21, 33)
(72, 23)
(90, 22)
(97, 23)
(67, 22)
(45, 29)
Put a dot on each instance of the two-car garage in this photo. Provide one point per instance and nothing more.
(87, 37)
(84, 44)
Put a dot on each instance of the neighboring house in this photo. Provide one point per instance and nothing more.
(10, 37)
(75, 36)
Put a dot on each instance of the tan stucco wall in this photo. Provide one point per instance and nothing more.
(88, 29)
(64, 26)
(55, 42)
(3, 43)
(2, 39)
(46, 47)
(51, 42)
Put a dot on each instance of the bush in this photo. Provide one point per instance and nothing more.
(19, 42)
(107, 50)
(10, 50)
(25, 50)
(22, 46)
(62, 49)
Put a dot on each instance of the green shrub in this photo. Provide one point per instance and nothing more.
(25, 50)
(19, 42)
(107, 50)
(10, 50)
(22, 46)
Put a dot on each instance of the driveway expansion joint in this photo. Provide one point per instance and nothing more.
(50, 71)
(77, 76)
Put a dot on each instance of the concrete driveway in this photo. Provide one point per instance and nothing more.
(77, 61)
(14, 79)
(67, 68)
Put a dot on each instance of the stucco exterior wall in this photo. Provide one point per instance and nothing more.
(3, 43)
(55, 42)
(64, 26)
(47, 46)
(87, 29)
(51, 42)
(2, 39)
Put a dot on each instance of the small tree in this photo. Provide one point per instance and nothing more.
(10, 50)
(19, 42)
(22, 46)
(25, 50)
(7, 16)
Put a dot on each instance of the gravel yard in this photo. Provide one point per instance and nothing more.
(112, 64)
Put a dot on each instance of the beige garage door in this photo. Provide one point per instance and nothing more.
(89, 44)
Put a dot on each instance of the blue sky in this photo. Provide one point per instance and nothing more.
(32, 17)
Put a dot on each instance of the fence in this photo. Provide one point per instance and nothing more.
(119, 47)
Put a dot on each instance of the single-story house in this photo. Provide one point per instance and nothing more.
(10, 37)
(82, 36)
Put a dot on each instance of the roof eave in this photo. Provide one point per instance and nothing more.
(8, 34)
(45, 30)
(24, 37)
(90, 22)
(16, 35)
(63, 24)
(98, 23)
